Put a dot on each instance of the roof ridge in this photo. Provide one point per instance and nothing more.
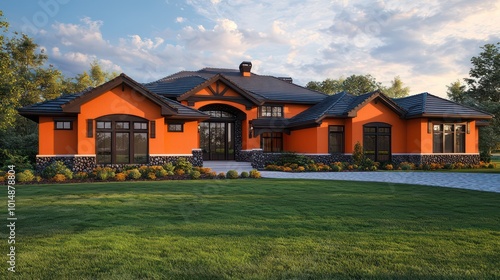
(171, 78)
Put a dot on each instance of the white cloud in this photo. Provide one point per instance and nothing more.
(427, 43)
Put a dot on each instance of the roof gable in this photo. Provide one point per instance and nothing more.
(73, 106)
(362, 100)
(219, 92)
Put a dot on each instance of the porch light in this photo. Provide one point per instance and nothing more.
(199, 127)
(251, 131)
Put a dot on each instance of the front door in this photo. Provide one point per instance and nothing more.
(217, 140)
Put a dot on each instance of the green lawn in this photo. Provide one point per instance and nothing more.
(253, 229)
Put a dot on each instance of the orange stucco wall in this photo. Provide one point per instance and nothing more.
(378, 112)
(56, 142)
(182, 142)
(126, 102)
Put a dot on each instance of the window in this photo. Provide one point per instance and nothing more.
(271, 142)
(219, 114)
(64, 125)
(377, 141)
(271, 111)
(335, 139)
(175, 127)
(448, 138)
(117, 142)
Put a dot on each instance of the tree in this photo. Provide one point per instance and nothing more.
(354, 84)
(456, 92)
(484, 80)
(482, 91)
(397, 89)
(96, 76)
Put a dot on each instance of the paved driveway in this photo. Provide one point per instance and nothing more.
(471, 181)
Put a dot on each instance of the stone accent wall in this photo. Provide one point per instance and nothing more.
(42, 162)
(245, 156)
(258, 160)
(88, 163)
(450, 158)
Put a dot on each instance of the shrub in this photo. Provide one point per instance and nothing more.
(205, 170)
(301, 169)
(244, 174)
(358, 154)
(221, 175)
(161, 173)
(2, 179)
(134, 174)
(25, 176)
(59, 178)
(21, 162)
(170, 173)
(195, 175)
(120, 176)
(406, 166)
(183, 164)
(180, 172)
(57, 167)
(81, 175)
(293, 158)
(491, 165)
(254, 173)
(212, 175)
(169, 167)
(232, 174)
(388, 166)
(449, 166)
(104, 173)
(336, 168)
(151, 176)
(38, 178)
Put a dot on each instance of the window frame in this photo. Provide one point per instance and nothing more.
(379, 130)
(171, 125)
(273, 136)
(109, 124)
(342, 137)
(442, 133)
(63, 124)
(270, 110)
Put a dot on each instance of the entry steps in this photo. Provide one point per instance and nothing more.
(226, 165)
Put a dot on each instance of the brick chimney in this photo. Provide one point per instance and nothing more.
(245, 68)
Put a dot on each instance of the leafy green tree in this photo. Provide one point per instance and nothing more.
(96, 76)
(329, 86)
(456, 91)
(484, 80)
(397, 89)
(359, 84)
(482, 91)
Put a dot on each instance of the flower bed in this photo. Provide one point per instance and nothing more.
(181, 170)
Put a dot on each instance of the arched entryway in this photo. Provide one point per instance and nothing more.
(221, 135)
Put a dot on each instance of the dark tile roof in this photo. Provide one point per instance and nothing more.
(176, 86)
(55, 106)
(184, 111)
(331, 105)
(428, 105)
(51, 106)
(268, 88)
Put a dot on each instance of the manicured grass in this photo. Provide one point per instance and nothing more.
(254, 229)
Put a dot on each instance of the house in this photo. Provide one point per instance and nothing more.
(226, 114)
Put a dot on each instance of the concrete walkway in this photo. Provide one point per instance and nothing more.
(470, 181)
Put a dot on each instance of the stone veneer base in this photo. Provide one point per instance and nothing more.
(88, 163)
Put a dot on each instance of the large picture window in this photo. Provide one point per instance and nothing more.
(335, 139)
(448, 138)
(121, 139)
(271, 142)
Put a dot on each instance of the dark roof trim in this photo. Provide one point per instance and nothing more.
(73, 106)
(220, 77)
(452, 116)
(382, 97)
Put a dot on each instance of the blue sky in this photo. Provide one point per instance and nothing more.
(427, 43)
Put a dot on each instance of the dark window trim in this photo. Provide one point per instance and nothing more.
(271, 107)
(90, 128)
(63, 121)
(152, 127)
(123, 118)
(342, 145)
(273, 136)
(443, 135)
(377, 126)
(169, 127)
